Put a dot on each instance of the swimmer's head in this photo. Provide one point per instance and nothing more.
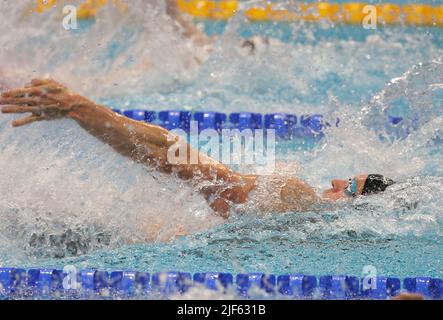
(254, 44)
(364, 184)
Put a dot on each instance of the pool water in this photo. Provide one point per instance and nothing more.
(276, 249)
(66, 199)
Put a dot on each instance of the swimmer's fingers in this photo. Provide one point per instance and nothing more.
(38, 113)
(21, 109)
(50, 85)
(27, 120)
(22, 92)
(25, 101)
(39, 82)
(32, 92)
(35, 88)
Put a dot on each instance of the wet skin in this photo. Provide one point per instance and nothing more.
(148, 144)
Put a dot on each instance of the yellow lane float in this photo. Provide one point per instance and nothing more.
(418, 14)
(348, 13)
(389, 13)
(43, 5)
(214, 10)
(88, 9)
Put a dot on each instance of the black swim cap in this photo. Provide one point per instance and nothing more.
(376, 183)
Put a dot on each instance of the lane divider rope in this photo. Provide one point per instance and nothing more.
(287, 126)
(414, 14)
(54, 283)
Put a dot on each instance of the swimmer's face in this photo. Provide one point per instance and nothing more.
(340, 187)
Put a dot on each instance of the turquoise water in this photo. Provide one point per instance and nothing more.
(236, 247)
(56, 178)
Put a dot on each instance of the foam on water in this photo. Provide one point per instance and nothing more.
(119, 53)
(57, 179)
(59, 185)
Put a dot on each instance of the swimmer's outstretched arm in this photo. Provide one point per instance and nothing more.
(188, 27)
(145, 143)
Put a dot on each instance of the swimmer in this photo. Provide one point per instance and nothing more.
(260, 45)
(185, 22)
(148, 144)
(185, 25)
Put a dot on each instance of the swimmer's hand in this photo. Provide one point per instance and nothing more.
(45, 99)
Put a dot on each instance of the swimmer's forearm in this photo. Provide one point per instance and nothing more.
(146, 143)
(125, 135)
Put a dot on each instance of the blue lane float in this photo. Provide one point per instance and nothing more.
(255, 281)
(287, 126)
(171, 283)
(428, 287)
(246, 120)
(210, 120)
(381, 288)
(174, 119)
(282, 123)
(339, 287)
(17, 283)
(42, 282)
(128, 283)
(140, 115)
(296, 285)
(214, 280)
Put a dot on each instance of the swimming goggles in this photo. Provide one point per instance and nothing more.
(351, 189)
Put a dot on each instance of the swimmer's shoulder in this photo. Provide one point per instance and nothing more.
(298, 194)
